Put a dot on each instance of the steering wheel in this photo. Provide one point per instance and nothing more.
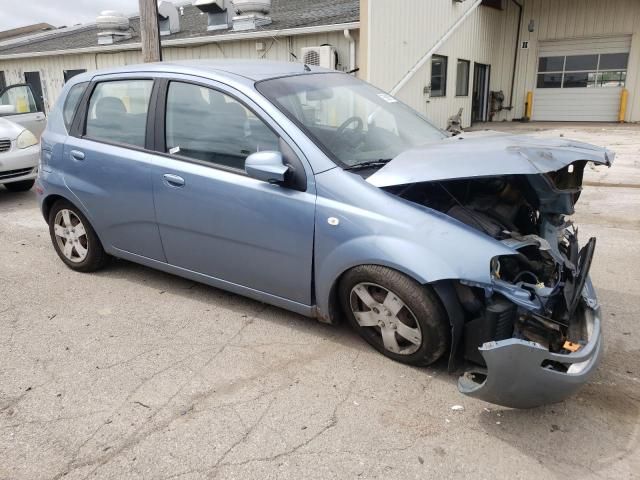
(342, 129)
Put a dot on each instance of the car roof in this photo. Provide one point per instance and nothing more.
(254, 70)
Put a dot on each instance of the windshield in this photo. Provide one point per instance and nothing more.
(352, 121)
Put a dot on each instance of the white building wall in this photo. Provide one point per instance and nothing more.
(567, 19)
(276, 48)
(400, 33)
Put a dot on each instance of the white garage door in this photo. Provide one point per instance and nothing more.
(581, 79)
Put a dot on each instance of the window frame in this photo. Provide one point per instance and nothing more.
(597, 71)
(290, 155)
(79, 124)
(444, 76)
(16, 85)
(156, 119)
(468, 63)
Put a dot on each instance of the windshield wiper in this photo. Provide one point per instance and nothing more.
(369, 164)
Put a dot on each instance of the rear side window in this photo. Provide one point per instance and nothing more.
(118, 111)
(71, 102)
(207, 125)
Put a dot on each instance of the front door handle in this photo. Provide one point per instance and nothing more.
(77, 154)
(173, 180)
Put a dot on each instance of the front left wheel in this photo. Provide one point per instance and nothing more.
(395, 314)
(74, 239)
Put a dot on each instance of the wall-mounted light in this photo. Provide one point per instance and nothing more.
(532, 25)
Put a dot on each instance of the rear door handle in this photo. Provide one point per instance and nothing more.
(173, 180)
(77, 154)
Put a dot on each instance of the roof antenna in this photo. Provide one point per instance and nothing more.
(306, 68)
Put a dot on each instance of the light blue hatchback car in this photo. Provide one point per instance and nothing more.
(314, 191)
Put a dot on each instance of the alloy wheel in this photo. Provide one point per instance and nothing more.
(387, 317)
(71, 236)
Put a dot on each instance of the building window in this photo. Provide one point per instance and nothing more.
(583, 71)
(438, 76)
(69, 74)
(462, 78)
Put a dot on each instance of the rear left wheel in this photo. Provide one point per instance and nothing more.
(395, 314)
(74, 240)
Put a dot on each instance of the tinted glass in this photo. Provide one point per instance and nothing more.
(438, 76)
(549, 80)
(21, 98)
(612, 61)
(118, 111)
(612, 79)
(462, 78)
(581, 62)
(579, 79)
(349, 119)
(206, 124)
(550, 64)
(71, 102)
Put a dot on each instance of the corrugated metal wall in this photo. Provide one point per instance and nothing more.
(564, 19)
(276, 48)
(400, 33)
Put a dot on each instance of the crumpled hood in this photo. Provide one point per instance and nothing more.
(488, 153)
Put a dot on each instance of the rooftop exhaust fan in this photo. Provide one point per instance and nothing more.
(251, 14)
(218, 15)
(168, 18)
(112, 27)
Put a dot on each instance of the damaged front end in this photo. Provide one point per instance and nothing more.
(532, 334)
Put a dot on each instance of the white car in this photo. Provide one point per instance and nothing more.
(21, 124)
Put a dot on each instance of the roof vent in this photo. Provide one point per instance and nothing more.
(112, 27)
(168, 18)
(251, 14)
(218, 15)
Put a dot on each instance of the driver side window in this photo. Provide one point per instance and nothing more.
(206, 124)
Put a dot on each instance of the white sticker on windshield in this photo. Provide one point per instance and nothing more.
(387, 98)
(174, 150)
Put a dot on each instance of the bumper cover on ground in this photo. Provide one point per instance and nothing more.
(515, 375)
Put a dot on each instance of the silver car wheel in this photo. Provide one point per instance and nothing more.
(71, 236)
(381, 310)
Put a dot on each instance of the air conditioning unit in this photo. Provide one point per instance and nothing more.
(324, 56)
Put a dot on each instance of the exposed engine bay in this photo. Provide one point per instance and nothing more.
(536, 292)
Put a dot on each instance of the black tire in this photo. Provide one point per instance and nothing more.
(421, 306)
(22, 186)
(96, 258)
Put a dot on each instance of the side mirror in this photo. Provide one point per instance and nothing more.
(267, 166)
(7, 109)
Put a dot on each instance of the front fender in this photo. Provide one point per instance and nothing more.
(358, 224)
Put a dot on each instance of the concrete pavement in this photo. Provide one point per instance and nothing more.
(132, 373)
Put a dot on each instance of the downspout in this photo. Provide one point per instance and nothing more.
(515, 57)
(352, 50)
(409, 75)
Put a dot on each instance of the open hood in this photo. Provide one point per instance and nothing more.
(481, 154)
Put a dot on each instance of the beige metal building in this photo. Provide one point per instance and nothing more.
(558, 60)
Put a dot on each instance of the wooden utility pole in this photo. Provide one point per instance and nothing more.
(149, 31)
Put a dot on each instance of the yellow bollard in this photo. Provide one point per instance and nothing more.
(528, 107)
(623, 105)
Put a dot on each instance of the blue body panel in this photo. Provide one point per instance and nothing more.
(285, 246)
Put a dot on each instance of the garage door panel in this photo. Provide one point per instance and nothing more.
(589, 103)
